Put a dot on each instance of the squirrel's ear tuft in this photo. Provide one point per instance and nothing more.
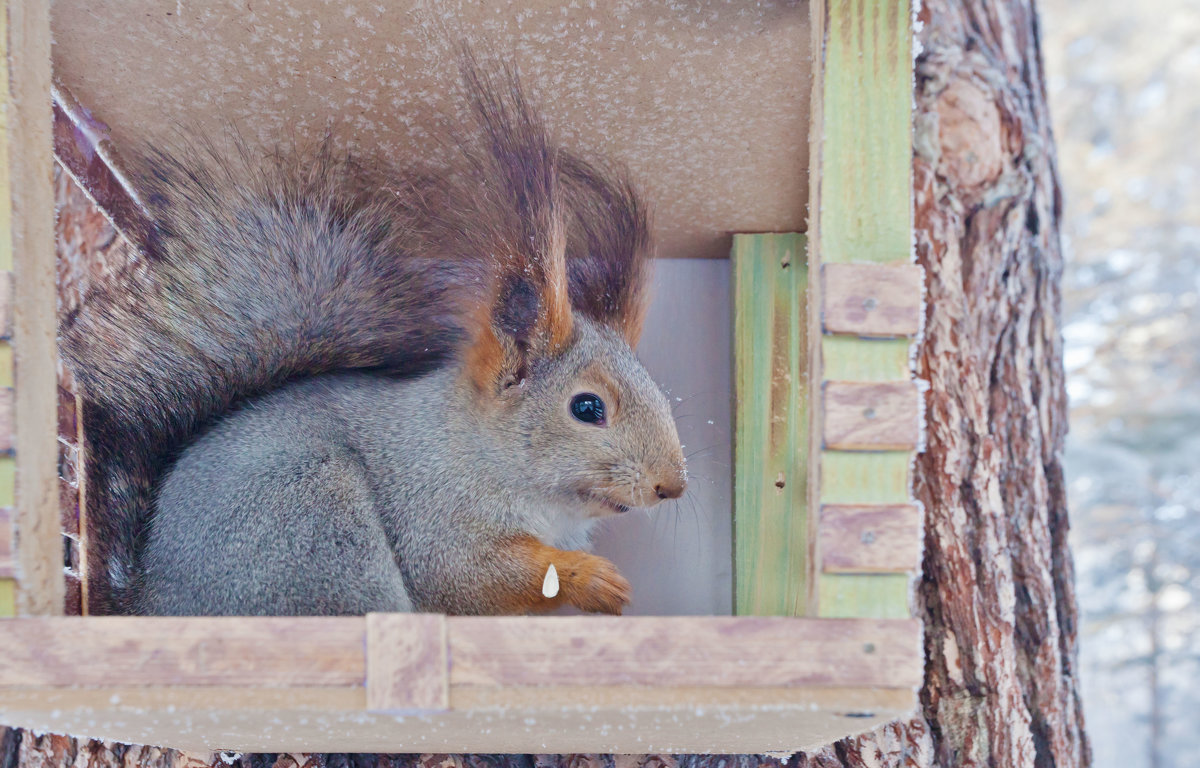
(524, 222)
(608, 245)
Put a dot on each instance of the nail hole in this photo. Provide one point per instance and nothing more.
(868, 537)
(779, 481)
(869, 413)
(786, 260)
(868, 647)
(870, 303)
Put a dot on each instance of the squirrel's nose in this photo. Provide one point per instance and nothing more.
(672, 489)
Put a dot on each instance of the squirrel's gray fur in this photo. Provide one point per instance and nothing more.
(337, 388)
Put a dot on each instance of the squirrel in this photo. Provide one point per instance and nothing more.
(334, 387)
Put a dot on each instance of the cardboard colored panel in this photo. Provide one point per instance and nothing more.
(692, 97)
(873, 299)
(407, 664)
(870, 539)
(871, 416)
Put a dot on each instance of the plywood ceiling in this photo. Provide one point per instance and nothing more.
(706, 101)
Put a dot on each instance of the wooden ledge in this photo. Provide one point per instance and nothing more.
(395, 649)
(403, 682)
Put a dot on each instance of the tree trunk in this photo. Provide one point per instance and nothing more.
(997, 592)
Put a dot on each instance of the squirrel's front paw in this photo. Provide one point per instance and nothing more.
(594, 584)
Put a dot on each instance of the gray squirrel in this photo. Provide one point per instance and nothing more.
(333, 387)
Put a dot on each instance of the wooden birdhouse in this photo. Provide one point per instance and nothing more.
(773, 140)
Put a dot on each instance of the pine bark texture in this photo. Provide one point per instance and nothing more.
(997, 591)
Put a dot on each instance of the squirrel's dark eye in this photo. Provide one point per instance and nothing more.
(588, 408)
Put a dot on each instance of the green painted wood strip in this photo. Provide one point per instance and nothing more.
(865, 596)
(862, 477)
(849, 358)
(864, 201)
(770, 481)
(6, 364)
(8, 481)
(866, 164)
(8, 598)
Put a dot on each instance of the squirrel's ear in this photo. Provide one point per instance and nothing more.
(529, 319)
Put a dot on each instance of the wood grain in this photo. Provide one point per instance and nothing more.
(860, 149)
(534, 723)
(853, 358)
(71, 651)
(684, 651)
(6, 419)
(865, 134)
(857, 477)
(6, 304)
(407, 663)
(872, 299)
(27, 248)
(7, 555)
(770, 478)
(871, 416)
(872, 595)
(870, 539)
(83, 149)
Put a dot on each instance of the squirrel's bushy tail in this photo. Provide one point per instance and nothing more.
(258, 270)
(255, 271)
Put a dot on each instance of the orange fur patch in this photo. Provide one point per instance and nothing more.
(586, 581)
(556, 301)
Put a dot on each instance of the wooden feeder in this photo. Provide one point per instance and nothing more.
(734, 117)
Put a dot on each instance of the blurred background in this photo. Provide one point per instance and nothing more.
(1124, 82)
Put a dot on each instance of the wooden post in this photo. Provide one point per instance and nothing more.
(32, 583)
(770, 512)
(865, 298)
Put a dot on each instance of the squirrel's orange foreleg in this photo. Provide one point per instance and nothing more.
(588, 582)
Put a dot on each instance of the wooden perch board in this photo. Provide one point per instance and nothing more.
(515, 684)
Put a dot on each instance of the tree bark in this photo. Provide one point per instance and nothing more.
(997, 593)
